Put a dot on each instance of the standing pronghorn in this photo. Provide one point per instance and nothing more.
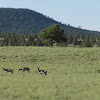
(8, 70)
(42, 71)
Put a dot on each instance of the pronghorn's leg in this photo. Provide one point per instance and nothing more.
(28, 70)
(12, 72)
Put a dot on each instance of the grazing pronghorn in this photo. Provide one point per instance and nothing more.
(24, 69)
(42, 71)
(8, 70)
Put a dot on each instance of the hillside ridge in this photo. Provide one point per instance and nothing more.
(26, 21)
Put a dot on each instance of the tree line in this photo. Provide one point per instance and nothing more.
(50, 36)
(55, 35)
(11, 39)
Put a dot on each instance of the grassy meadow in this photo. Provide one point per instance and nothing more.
(73, 73)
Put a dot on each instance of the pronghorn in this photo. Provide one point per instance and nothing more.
(24, 69)
(8, 70)
(42, 71)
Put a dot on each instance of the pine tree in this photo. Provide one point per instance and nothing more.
(92, 40)
(69, 39)
(75, 40)
(53, 34)
(98, 41)
(87, 43)
(22, 41)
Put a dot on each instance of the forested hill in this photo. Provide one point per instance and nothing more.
(24, 21)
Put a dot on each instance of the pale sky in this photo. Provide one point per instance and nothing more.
(84, 13)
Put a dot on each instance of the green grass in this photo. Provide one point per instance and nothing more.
(73, 73)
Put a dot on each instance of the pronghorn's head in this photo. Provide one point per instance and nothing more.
(4, 69)
(38, 68)
(20, 69)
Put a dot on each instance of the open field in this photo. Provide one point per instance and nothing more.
(73, 73)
